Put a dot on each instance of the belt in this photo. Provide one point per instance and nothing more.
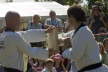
(90, 67)
(37, 44)
(11, 70)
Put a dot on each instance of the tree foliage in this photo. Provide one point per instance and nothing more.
(102, 3)
(65, 2)
(36, 0)
(93, 2)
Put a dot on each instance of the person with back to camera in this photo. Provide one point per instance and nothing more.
(12, 45)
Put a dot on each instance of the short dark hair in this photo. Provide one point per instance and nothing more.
(52, 12)
(77, 13)
(10, 14)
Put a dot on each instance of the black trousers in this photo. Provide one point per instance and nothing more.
(90, 67)
(11, 70)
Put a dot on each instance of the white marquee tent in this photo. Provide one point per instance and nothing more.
(28, 9)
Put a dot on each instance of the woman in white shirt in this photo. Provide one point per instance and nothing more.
(85, 50)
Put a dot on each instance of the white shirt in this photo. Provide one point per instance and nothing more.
(85, 50)
(65, 35)
(33, 35)
(12, 47)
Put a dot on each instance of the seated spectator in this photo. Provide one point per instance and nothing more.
(59, 63)
(35, 65)
(49, 66)
(53, 20)
(105, 43)
(103, 53)
(36, 23)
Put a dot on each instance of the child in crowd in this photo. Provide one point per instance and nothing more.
(49, 66)
(105, 45)
(103, 53)
(59, 63)
(36, 65)
(102, 50)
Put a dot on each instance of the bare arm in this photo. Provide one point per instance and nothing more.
(64, 68)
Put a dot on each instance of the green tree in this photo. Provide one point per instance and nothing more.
(102, 3)
(105, 8)
(92, 2)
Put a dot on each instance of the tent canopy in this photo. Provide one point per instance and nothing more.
(26, 9)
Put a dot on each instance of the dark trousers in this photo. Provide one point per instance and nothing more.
(11, 70)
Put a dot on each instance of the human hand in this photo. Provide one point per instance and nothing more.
(50, 29)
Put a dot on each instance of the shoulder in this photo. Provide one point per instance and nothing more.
(85, 31)
(48, 19)
(12, 35)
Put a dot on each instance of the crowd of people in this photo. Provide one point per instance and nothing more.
(84, 54)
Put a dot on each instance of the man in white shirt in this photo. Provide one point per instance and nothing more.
(12, 45)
